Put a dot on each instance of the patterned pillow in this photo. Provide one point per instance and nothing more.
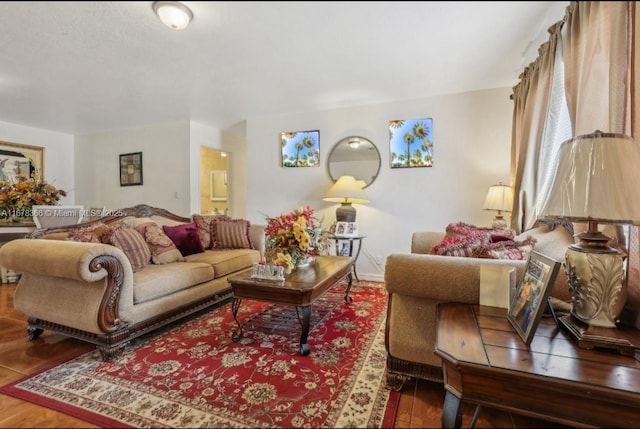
(462, 228)
(133, 245)
(230, 234)
(185, 237)
(163, 251)
(97, 233)
(204, 227)
(461, 245)
(514, 249)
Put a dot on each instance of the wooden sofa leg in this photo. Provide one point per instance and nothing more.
(396, 381)
(110, 353)
(33, 333)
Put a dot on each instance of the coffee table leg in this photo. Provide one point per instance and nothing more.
(305, 349)
(236, 335)
(347, 298)
(451, 417)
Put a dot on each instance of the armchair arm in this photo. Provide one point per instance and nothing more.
(423, 241)
(441, 278)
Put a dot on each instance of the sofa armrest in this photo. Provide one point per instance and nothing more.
(57, 258)
(80, 285)
(441, 278)
(423, 241)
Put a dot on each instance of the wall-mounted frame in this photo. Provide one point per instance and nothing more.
(411, 143)
(131, 169)
(300, 148)
(532, 295)
(19, 162)
(218, 185)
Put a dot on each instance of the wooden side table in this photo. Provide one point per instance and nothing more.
(348, 251)
(486, 363)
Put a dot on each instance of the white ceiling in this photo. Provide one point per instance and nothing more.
(83, 67)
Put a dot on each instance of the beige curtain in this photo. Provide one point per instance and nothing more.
(531, 103)
(597, 58)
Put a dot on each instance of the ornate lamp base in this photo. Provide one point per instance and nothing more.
(625, 340)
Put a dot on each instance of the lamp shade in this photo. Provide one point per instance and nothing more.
(346, 190)
(499, 197)
(595, 179)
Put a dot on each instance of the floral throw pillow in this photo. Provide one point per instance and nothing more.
(461, 245)
(507, 249)
(230, 234)
(204, 227)
(163, 251)
(97, 233)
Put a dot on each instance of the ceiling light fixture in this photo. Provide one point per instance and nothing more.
(173, 14)
(354, 144)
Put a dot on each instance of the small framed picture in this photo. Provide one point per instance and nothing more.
(532, 294)
(346, 229)
(131, 169)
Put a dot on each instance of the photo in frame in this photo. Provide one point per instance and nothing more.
(131, 169)
(532, 294)
(346, 229)
(19, 162)
(411, 143)
(300, 148)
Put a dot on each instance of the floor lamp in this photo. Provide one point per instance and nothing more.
(595, 183)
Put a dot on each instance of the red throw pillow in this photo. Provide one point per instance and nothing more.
(460, 245)
(513, 249)
(185, 237)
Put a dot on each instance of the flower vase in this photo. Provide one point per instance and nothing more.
(303, 262)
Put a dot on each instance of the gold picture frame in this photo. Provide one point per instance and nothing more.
(18, 162)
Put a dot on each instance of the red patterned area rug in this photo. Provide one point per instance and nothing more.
(193, 374)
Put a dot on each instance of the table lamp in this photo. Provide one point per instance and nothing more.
(346, 191)
(500, 199)
(595, 183)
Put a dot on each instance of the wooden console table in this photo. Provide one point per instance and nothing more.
(486, 363)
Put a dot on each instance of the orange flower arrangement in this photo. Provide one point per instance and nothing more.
(18, 198)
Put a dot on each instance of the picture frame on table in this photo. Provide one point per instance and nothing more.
(131, 169)
(532, 294)
(346, 229)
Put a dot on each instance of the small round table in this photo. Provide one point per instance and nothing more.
(347, 250)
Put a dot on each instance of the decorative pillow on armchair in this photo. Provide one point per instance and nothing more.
(506, 249)
(461, 245)
(462, 228)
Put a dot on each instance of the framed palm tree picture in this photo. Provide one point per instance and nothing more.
(411, 143)
(300, 148)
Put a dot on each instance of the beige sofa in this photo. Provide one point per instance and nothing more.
(89, 290)
(418, 281)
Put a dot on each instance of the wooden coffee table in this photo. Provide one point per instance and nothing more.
(486, 363)
(301, 289)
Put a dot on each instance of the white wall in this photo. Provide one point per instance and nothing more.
(166, 163)
(58, 154)
(472, 141)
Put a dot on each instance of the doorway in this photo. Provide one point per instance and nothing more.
(214, 181)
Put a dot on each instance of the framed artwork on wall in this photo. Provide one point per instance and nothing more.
(18, 162)
(300, 148)
(131, 169)
(532, 294)
(411, 143)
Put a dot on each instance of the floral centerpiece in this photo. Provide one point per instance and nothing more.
(293, 239)
(18, 198)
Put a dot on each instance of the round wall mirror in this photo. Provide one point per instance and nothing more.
(355, 156)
